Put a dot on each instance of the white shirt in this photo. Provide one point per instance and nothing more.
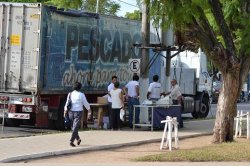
(110, 87)
(175, 92)
(78, 100)
(131, 86)
(155, 90)
(115, 96)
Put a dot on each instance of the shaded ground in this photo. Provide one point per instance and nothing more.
(125, 154)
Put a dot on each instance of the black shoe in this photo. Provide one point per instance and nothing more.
(79, 142)
(72, 144)
(131, 126)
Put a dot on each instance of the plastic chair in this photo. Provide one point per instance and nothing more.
(241, 116)
(170, 123)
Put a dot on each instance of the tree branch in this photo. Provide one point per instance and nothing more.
(224, 29)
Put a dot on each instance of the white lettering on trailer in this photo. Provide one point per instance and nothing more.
(18, 116)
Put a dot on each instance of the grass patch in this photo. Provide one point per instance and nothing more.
(234, 151)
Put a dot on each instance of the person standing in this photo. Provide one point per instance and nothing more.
(154, 89)
(111, 87)
(78, 100)
(117, 104)
(175, 92)
(132, 92)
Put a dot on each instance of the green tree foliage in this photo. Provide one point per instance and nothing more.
(221, 29)
(26, 1)
(67, 4)
(134, 16)
(105, 6)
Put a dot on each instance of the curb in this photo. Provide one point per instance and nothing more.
(93, 148)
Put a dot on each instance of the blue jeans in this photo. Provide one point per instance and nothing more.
(75, 119)
(131, 102)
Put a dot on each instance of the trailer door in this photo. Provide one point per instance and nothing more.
(20, 43)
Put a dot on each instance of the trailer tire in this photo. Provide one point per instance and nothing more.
(60, 120)
(204, 108)
(52, 124)
(195, 115)
(13, 122)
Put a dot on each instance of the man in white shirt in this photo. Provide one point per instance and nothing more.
(111, 87)
(132, 93)
(175, 92)
(154, 89)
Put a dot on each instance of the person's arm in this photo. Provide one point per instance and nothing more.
(85, 102)
(125, 90)
(121, 98)
(109, 89)
(137, 90)
(148, 94)
(167, 93)
(65, 106)
(86, 105)
(149, 90)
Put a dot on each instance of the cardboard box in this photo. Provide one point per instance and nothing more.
(102, 100)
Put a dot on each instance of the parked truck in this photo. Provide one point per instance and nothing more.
(44, 50)
(190, 71)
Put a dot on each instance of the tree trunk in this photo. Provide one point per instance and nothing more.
(226, 108)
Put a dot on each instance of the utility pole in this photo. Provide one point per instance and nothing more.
(145, 31)
(97, 6)
(167, 40)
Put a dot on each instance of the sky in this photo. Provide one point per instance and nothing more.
(125, 7)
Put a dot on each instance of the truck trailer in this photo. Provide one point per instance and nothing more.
(44, 50)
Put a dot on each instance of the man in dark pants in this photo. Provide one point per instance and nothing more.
(111, 87)
(132, 93)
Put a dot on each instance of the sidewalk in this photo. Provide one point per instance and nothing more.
(13, 149)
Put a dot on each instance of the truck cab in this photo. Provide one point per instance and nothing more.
(190, 71)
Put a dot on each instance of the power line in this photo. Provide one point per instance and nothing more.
(128, 3)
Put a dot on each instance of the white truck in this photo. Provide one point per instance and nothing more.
(190, 71)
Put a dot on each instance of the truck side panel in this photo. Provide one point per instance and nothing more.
(20, 42)
(89, 49)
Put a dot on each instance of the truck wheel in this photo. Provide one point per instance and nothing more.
(52, 124)
(204, 109)
(60, 120)
(1, 121)
(195, 115)
(12, 122)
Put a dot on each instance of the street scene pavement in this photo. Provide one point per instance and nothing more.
(28, 143)
(13, 149)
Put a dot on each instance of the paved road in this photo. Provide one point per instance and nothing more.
(245, 106)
